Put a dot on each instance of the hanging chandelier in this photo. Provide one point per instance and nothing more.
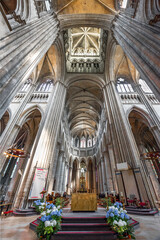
(152, 155)
(14, 152)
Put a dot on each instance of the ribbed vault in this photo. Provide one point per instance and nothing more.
(84, 103)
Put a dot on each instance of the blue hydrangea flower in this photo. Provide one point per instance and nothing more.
(107, 215)
(48, 218)
(122, 215)
(58, 214)
(43, 219)
(111, 215)
(54, 213)
(49, 206)
(127, 217)
(38, 202)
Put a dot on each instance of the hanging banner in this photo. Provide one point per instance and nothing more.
(38, 184)
(122, 166)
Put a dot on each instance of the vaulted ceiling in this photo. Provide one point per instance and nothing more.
(86, 6)
(85, 41)
(84, 104)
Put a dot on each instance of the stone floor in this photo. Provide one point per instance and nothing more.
(149, 228)
(17, 228)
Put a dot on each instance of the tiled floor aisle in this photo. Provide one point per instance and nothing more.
(17, 228)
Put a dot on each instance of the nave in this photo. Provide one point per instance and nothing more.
(80, 114)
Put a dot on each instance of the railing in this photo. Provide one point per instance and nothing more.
(130, 98)
(19, 97)
(83, 152)
(36, 97)
(151, 97)
(40, 97)
(127, 98)
(42, 6)
(133, 98)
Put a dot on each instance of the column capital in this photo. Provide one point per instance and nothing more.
(108, 83)
(105, 151)
(102, 159)
(61, 151)
(17, 126)
(59, 81)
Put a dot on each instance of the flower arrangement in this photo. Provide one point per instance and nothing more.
(117, 217)
(50, 221)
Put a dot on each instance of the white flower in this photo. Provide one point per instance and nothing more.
(43, 213)
(121, 210)
(47, 223)
(120, 224)
(43, 204)
(49, 210)
(54, 209)
(124, 211)
(59, 207)
(53, 223)
(115, 222)
(41, 207)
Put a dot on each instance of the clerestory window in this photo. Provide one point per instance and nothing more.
(123, 86)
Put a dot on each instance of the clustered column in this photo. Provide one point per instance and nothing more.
(123, 142)
(140, 42)
(46, 147)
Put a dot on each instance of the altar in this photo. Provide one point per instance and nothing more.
(84, 202)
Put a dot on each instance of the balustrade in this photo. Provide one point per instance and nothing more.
(133, 98)
(84, 152)
(36, 97)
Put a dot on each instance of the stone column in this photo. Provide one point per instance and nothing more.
(9, 135)
(123, 141)
(58, 170)
(55, 165)
(108, 172)
(101, 178)
(152, 113)
(78, 175)
(103, 174)
(43, 155)
(21, 51)
(70, 180)
(113, 167)
(94, 179)
(62, 173)
(5, 26)
(65, 176)
(122, 137)
(140, 42)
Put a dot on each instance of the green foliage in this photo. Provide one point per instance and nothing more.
(106, 202)
(120, 230)
(40, 230)
(59, 202)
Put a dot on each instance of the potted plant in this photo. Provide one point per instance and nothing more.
(118, 219)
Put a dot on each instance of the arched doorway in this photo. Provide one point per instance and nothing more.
(146, 142)
(15, 166)
(3, 122)
(145, 139)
